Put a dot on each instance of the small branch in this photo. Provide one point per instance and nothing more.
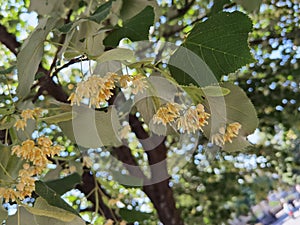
(183, 10)
(61, 41)
(71, 62)
(9, 40)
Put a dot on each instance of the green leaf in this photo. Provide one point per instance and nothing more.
(127, 180)
(42, 208)
(53, 174)
(66, 27)
(132, 216)
(22, 217)
(7, 71)
(93, 128)
(84, 38)
(43, 220)
(43, 214)
(46, 7)
(136, 28)
(198, 94)
(101, 12)
(234, 107)
(29, 58)
(117, 54)
(221, 41)
(218, 5)
(61, 186)
(249, 6)
(131, 8)
(52, 197)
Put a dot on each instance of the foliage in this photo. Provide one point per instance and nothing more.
(148, 131)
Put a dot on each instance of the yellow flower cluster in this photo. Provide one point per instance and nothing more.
(27, 114)
(99, 89)
(36, 161)
(186, 120)
(223, 136)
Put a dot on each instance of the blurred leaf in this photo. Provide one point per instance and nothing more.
(220, 42)
(52, 197)
(92, 128)
(136, 28)
(101, 12)
(132, 216)
(29, 58)
(61, 186)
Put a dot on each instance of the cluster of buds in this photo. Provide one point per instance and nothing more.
(226, 134)
(27, 114)
(35, 156)
(100, 89)
(185, 119)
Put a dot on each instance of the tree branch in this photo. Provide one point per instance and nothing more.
(9, 40)
(160, 193)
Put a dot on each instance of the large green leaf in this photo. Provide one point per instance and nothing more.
(220, 41)
(92, 128)
(136, 28)
(29, 58)
(61, 186)
(52, 197)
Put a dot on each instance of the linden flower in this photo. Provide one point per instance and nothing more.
(20, 124)
(96, 89)
(139, 84)
(27, 114)
(167, 114)
(189, 122)
(193, 119)
(8, 194)
(223, 136)
(124, 80)
(37, 155)
(232, 131)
